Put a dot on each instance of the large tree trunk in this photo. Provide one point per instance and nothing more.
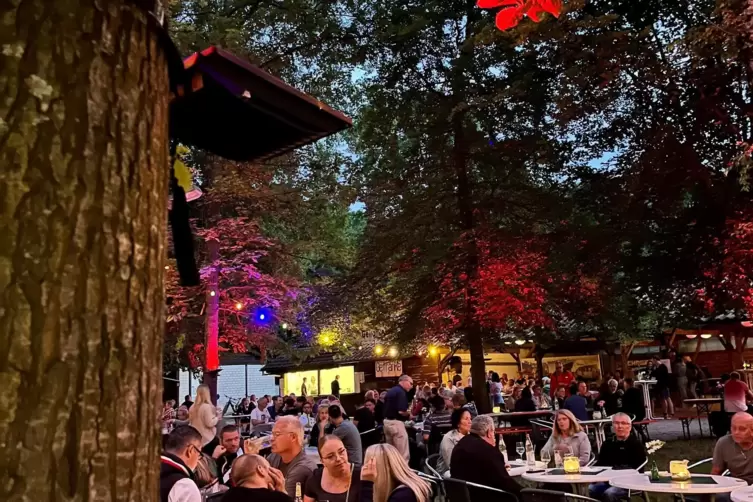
(83, 212)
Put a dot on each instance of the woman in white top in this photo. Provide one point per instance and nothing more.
(568, 437)
(461, 426)
(203, 415)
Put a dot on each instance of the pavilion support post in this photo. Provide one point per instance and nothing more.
(212, 322)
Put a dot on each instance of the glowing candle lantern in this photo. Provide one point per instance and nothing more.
(571, 464)
(679, 470)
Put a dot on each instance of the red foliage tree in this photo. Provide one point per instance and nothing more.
(514, 10)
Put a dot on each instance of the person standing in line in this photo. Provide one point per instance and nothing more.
(660, 373)
(695, 375)
(336, 386)
(304, 389)
(396, 413)
(680, 371)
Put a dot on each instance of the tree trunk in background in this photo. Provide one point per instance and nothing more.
(212, 323)
(83, 216)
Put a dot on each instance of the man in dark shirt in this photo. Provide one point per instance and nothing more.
(396, 413)
(476, 459)
(623, 451)
(227, 452)
(632, 401)
(577, 404)
(364, 420)
(336, 386)
(187, 403)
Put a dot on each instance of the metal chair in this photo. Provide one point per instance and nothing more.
(705, 461)
(431, 465)
(591, 460)
(458, 490)
(537, 495)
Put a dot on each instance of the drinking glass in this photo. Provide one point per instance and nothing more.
(520, 449)
(546, 457)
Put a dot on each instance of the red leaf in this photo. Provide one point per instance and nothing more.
(534, 12)
(493, 4)
(508, 18)
(553, 7)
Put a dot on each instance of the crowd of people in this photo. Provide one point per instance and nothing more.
(369, 455)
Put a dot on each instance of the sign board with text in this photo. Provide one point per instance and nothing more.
(385, 369)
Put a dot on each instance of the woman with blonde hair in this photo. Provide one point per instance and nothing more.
(568, 437)
(386, 477)
(203, 416)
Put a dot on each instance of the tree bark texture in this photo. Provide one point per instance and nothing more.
(83, 212)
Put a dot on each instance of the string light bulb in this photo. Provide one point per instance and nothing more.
(379, 350)
(262, 317)
(393, 352)
(284, 325)
(433, 351)
(238, 306)
(212, 293)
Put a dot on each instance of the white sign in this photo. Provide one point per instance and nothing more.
(386, 369)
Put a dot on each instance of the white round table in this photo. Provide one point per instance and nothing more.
(603, 475)
(742, 494)
(518, 468)
(640, 482)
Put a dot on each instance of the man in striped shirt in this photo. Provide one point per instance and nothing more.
(439, 418)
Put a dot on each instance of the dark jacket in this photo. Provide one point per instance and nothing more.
(476, 461)
(578, 406)
(238, 494)
(628, 454)
(632, 404)
(172, 470)
(400, 494)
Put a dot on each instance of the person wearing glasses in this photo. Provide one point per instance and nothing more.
(396, 412)
(288, 454)
(338, 480)
(623, 451)
(181, 456)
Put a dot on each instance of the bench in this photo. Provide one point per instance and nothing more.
(642, 428)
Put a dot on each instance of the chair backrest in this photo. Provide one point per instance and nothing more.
(431, 465)
(700, 462)
(591, 459)
(536, 495)
(435, 438)
(456, 490)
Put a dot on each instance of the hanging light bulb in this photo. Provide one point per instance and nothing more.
(167, 267)
(238, 306)
(262, 317)
(393, 352)
(212, 293)
(379, 350)
(284, 325)
(433, 351)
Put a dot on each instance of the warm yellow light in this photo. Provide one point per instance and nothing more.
(393, 352)
(571, 464)
(519, 342)
(379, 350)
(284, 325)
(327, 337)
(167, 267)
(706, 336)
(433, 351)
(238, 305)
(212, 293)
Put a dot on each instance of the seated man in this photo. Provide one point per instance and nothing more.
(476, 459)
(438, 420)
(623, 451)
(632, 401)
(253, 479)
(288, 454)
(348, 434)
(576, 403)
(735, 450)
(181, 456)
(227, 451)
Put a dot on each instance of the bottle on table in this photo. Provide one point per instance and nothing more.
(530, 455)
(557, 459)
(298, 495)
